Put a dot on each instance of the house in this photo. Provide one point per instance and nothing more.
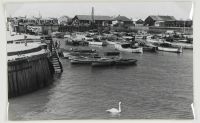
(122, 20)
(139, 22)
(158, 21)
(89, 19)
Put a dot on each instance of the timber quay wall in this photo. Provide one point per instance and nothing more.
(29, 74)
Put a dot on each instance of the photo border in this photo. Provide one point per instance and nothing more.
(196, 62)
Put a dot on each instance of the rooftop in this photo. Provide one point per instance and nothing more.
(96, 17)
(162, 18)
(122, 18)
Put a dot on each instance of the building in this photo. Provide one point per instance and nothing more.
(139, 22)
(33, 25)
(158, 21)
(89, 19)
(64, 20)
(122, 20)
(179, 23)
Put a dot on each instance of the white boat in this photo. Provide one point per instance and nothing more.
(182, 40)
(183, 45)
(169, 49)
(127, 38)
(95, 43)
(154, 40)
(111, 42)
(139, 36)
(66, 54)
(128, 48)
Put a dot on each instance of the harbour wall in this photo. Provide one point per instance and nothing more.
(29, 74)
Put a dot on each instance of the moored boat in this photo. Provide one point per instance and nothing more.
(66, 54)
(103, 62)
(99, 43)
(150, 49)
(111, 42)
(170, 49)
(183, 45)
(126, 47)
(167, 47)
(125, 62)
(82, 61)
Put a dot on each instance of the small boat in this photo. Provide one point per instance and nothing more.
(126, 47)
(113, 53)
(83, 50)
(170, 49)
(150, 49)
(183, 45)
(99, 43)
(66, 54)
(125, 62)
(167, 47)
(82, 61)
(103, 62)
(111, 42)
(139, 36)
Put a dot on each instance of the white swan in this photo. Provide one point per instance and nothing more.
(114, 110)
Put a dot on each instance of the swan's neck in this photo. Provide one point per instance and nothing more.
(119, 107)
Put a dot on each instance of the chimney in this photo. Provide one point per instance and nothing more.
(92, 14)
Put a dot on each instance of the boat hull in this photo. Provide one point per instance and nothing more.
(167, 49)
(103, 62)
(150, 49)
(126, 62)
(111, 42)
(82, 61)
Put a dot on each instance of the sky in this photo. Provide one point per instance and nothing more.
(134, 10)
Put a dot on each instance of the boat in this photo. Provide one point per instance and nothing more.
(183, 45)
(99, 43)
(128, 38)
(167, 47)
(125, 61)
(82, 61)
(83, 50)
(103, 62)
(112, 53)
(126, 47)
(150, 49)
(111, 42)
(139, 36)
(66, 54)
(170, 49)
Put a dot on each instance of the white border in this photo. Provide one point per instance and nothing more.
(196, 66)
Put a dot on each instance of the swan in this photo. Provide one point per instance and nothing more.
(114, 110)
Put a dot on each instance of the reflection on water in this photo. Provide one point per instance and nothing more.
(158, 87)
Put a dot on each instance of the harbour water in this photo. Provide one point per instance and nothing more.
(160, 86)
